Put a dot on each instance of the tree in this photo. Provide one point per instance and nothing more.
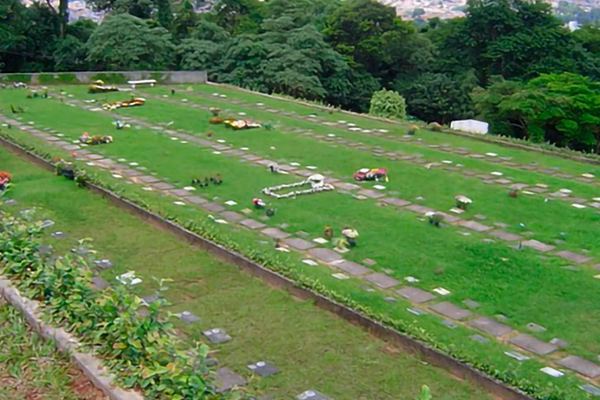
(563, 109)
(70, 55)
(126, 42)
(285, 59)
(195, 54)
(185, 20)
(164, 13)
(238, 16)
(371, 35)
(388, 104)
(27, 36)
(440, 97)
(513, 38)
(138, 8)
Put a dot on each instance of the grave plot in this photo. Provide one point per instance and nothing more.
(378, 128)
(520, 213)
(400, 242)
(275, 344)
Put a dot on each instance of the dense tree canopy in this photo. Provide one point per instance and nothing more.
(125, 42)
(563, 109)
(488, 63)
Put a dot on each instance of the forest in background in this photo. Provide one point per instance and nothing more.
(509, 62)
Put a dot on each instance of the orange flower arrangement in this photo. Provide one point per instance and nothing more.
(5, 177)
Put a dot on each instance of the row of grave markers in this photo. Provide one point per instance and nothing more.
(342, 124)
(332, 258)
(184, 137)
(494, 177)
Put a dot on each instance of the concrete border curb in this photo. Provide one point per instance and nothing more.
(274, 279)
(66, 343)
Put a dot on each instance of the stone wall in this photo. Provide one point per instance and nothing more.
(41, 78)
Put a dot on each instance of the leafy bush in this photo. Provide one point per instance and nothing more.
(388, 104)
(434, 126)
(26, 78)
(142, 350)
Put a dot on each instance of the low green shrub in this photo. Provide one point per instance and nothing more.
(141, 349)
(25, 78)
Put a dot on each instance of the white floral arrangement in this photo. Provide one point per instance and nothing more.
(316, 182)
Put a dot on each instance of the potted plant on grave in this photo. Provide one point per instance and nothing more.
(412, 130)
(81, 178)
(435, 218)
(462, 202)
(5, 179)
(65, 168)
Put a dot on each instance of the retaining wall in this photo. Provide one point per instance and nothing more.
(168, 77)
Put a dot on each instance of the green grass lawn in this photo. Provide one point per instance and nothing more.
(312, 348)
(31, 368)
(522, 285)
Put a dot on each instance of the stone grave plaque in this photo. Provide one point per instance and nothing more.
(480, 339)
(574, 257)
(415, 295)
(351, 267)
(299, 244)
(533, 345)
(537, 245)
(188, 317)
(263, 368)
(147, 300)
(232, 216)
(472, 304)
(591, 389)
(213, 207)
(217, 335)
(58, 235)
(449, 310)
(490, 326)
(381, 280)
(252, 224)
(533, 327)
(582, 366)
(311, 395)
(98, 283)
(104, 263)
(226, 380)
(324, 255)
(275, 233)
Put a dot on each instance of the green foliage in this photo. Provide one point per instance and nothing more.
(439, 97)
(388, 104)
(22, 352)
(26, 78)
(425, 393)
(558, 108)
(125, 42)
(143, 350)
